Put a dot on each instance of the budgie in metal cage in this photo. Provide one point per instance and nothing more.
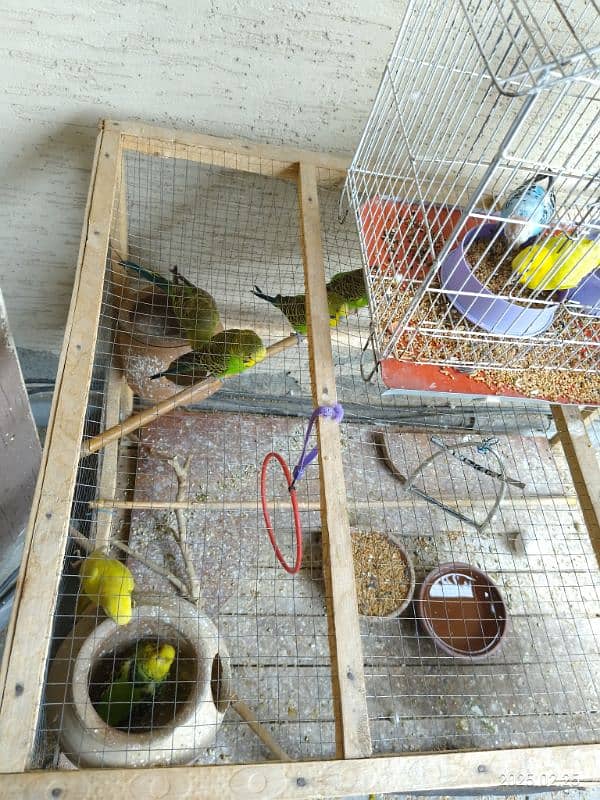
(227, 353)
(294, 307)
(195, 308)
(556, 263)
(108, 583)
(534, 204)
(138, 679)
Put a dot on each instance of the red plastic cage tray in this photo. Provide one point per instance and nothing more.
(395, 234)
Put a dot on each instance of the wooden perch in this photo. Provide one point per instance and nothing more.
(182, 473)
(105, 504)
(191, 394)
(246, 713)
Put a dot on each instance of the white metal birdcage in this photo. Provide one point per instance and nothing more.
(476, 100)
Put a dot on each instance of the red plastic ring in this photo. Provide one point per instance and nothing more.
(297, 525)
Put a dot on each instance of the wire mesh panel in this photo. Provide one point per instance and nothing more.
(475, 189)
(194, 473)
(446, 674)
(224, 656)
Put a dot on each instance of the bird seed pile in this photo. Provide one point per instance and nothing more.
(382, 575)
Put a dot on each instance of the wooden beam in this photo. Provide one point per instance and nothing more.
(587, 414)
(550, 768)
(107, 479)
(583, 465)
(392, 504)
(264, 159)
(32, 621)
(352, 722)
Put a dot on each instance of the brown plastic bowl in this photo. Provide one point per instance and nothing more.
(461, 608)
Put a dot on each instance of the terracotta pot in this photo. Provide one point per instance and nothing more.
(148, 338)
(179, 728)
(461, 608)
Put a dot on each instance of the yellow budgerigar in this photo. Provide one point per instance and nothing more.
(557, 262)
(108, 583)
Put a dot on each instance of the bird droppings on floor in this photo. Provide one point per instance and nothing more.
(275, 626)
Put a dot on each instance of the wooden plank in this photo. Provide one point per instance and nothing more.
(31, 625)
(583, 465)
(353, 734)
(414, 501)
(107, 479)
(278, 162)
(573, 766)
(20, 452)
(588, 414)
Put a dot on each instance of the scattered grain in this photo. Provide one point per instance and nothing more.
(551, 367)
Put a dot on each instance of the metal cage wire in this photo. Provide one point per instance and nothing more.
(476, 99)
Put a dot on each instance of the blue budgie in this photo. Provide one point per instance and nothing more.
(532, 203)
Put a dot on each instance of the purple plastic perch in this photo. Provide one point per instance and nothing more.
(488, 311)
(587, 295)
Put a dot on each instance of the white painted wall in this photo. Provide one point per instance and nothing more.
(284, 71)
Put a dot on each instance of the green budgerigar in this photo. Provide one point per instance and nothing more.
(195, 309)
(294, 308)
(138, 680)
(351, 287)
(227, 353)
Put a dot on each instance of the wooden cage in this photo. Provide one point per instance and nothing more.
(355, 770)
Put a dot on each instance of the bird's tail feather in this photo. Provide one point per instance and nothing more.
(268, 297)
(147, 274)
(179, 278)
(543, 176)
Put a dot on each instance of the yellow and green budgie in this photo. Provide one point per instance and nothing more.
(108, 583)
(351, 287)
(195, 309)
(557, 262)
(227, 353)
(293, 306)
(138, 680)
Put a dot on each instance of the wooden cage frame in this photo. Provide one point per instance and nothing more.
(354, 770)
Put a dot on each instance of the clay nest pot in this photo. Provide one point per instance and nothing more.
(177, 728)
(148, 338)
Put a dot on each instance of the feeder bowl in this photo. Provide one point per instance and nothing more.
(488, 311)
(587, 295)
(410, 589)
(462, 610)
(191, 724)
